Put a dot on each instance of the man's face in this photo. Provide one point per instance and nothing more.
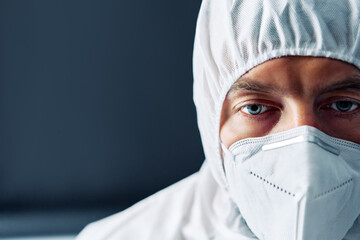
(289, 92)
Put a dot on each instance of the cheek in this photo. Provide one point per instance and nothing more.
(239, 127)
(345, 129)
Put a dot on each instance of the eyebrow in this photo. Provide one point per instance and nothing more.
(347, 83)
(251, 85)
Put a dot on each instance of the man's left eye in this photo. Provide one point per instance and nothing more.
(254, 109)
(344, 106)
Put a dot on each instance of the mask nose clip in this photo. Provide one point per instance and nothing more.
(300, 139)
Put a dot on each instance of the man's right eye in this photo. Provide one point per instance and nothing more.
(254, 109)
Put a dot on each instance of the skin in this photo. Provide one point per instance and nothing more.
(289, 92)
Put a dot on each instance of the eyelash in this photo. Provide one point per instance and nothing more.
(267, 108)
(264, 115)
(338, 113)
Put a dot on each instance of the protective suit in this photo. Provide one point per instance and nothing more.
(232, 37)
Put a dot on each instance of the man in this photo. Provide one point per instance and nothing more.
(277, 91)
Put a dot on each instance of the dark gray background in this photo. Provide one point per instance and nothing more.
(96, 108)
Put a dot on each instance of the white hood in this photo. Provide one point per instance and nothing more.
(233, 36)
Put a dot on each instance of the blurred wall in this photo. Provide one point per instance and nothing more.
(96, 107)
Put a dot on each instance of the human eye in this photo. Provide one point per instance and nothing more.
(344, 106)
(255, 109)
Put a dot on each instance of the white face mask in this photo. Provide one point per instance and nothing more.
(296, 185)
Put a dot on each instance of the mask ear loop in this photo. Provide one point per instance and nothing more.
(226, 152)
(226, 156)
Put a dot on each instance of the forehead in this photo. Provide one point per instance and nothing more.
(298, 75)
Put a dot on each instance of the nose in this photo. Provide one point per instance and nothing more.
(301, 113)
(303, 116)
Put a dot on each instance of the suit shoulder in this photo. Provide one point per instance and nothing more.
(161, 213)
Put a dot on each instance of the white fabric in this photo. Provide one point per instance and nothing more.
(302, 180)
(194, 208)
(233, 36)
